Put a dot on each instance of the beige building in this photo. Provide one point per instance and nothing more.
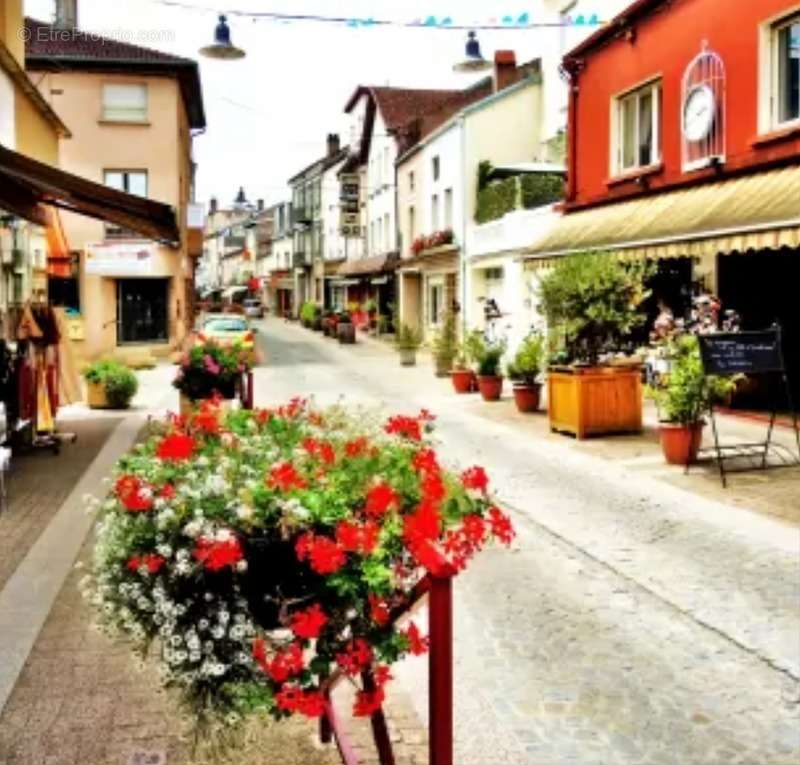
(132, 113)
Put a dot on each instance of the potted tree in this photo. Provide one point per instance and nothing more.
(408, 341)
(490, 381)
(109, 385)
(445, 346)
(524, 371)
(683, 396)
(592, 302)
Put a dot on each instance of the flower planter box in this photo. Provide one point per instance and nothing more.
(96, 396)
(491, 388)
(681, 443)
(595, 401)
(527, 397)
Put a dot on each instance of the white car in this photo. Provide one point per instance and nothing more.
(253, 308)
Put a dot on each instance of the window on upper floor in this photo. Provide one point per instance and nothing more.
(132, 182)
(785, 45)
(412, 223)
(436, 168)
(411, 181)
(637, 135)
(435, 212)
(448, 208)
(124, 102)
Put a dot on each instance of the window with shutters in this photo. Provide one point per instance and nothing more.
(124, 102)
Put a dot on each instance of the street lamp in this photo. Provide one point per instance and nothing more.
(222, 48)
(474, 61)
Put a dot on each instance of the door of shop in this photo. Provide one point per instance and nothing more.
(142, 311)
(762, 287)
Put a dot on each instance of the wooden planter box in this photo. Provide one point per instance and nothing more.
(96, 396)
(595, 401)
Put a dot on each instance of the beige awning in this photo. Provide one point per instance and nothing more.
(754, 212)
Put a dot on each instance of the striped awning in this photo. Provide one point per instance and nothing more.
(753, 212)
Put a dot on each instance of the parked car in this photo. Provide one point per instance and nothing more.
(254, 308)
(227, 329)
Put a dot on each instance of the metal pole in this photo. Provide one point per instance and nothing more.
(440, 667)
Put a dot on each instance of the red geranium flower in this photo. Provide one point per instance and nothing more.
(134, 494)
(422, 525)
(176, 447)
(475, 478)
(417, 644)
(217, 554)
(167, 491)
(284, 476)
(151, 562)
(380, 499)
(408, 427)
(357, 447)
(357, 656)
(357, 539)
(425, 461)
(368, 702)
(379, 610)
(324, 555)
(308, 624)
(500, 525)
(290, 698)
(283, 665)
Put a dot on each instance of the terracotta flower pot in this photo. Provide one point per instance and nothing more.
(408, 357)
(473, 382)
(490, 387)
(527, 396)
(681, 443)
(462, 380)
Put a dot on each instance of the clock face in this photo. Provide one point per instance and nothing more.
(699, 112)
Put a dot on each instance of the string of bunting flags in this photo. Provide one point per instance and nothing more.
(516, 21)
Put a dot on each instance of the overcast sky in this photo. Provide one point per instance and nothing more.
(269, 113)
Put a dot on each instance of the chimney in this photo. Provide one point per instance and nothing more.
(260, 205)
(333, 144)
(212, 206)
(505, 69)
(66, 14)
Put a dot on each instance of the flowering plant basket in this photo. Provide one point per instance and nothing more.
(267, 551)
(211, 368)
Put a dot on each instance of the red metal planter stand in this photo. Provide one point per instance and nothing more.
(439, 588)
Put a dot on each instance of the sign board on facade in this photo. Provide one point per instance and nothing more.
(120, 259)
(350, 205)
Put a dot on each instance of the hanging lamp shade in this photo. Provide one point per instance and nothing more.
(474, 61)
(222, 48)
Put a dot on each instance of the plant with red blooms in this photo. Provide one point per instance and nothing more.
(267, 551)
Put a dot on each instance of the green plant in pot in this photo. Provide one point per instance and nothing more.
(524, 371)
(490, 380)
(445, 346)
(308, 314)
(408, 340)
(592, 301)
(685, 394)
(463, 374)
(110, 385)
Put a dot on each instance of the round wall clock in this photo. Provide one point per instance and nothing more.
(699, 113)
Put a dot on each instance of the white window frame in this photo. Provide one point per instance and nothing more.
(435, 284)
(775, 28)
(653, 86)
(448, 209)
(107, 113)
(434, 213)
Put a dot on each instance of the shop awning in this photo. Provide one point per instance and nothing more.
(378, 264)
(752, 212)
(26, 184)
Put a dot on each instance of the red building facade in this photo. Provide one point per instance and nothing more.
(650, 46)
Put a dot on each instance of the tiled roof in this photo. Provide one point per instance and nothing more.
(46, 41)
(47, 47)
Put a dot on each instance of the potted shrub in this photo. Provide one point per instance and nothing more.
(322, 524)
(211, 370)
(524, 371)
(445, 346)
(109, 385)
(408, 341)
(592, 302)
(461, 375)
(345, 329)
(490, 381)
(308, 314)
(683, 397)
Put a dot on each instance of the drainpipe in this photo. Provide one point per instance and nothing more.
(462, 126)
(570, 70)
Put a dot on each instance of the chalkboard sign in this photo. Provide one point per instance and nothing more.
(742, 352)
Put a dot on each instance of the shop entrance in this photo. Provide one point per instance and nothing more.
(762, 287)
(142, 311)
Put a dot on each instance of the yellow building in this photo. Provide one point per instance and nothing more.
(132, 112)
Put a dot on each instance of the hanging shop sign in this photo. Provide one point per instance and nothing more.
(350, 204)
(120, 259)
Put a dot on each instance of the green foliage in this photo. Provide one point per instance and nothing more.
(591, 302)
(119, 382)
(473, 346)
(541, 189)
(370, 306)
(408, 338)
(445, 344)
(497, 199)
(687, 392)
(488, 355)
(308, 312)
(484, 169)
(528, 360)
